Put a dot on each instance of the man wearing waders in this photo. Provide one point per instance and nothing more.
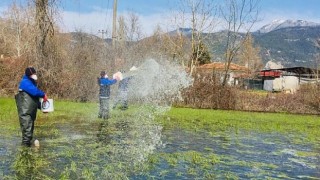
(27, 101)
(104, 94)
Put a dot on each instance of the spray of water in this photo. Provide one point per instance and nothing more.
(151, 91)
(157, 83)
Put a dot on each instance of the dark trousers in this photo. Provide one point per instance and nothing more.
(122, 99)
(27, 110)
(104, 108)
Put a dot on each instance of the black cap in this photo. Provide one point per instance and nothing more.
(102, 73)
(29, 71)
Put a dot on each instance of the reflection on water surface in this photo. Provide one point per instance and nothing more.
(136, 147)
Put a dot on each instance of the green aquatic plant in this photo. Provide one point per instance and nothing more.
(172, 159)
(29, 164)
(65, 175)
(73, 166)
(194, 163)
(307, 154)
(192, 171)
(163, 173)
(87, 173)
(231, 176)
(75, 144)
(153, 159)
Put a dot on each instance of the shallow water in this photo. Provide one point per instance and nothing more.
(138, 148)
(246, 154)
(132, 145)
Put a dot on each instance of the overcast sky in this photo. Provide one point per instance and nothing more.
(94, 15)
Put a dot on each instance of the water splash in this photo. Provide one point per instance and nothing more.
(158, 83)
(152, 89)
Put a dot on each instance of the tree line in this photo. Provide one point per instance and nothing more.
(68, 63)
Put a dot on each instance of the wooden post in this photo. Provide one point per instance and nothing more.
(114, 23)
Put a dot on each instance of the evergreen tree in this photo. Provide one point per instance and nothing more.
(201, 55)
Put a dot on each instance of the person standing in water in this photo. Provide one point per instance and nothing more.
(27, 101)
(122, 97)
(104, 94)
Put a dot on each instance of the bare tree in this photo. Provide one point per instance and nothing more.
(249, 56)
(178, 47)
(239, 16)
(17, 30)
(84, 62)
(134, 27)
(199, 15)
(317, 59)
(122, 30)
(128, 49)
(45, 28)
(17, 27)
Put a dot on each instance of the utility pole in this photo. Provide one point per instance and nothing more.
(114, 23)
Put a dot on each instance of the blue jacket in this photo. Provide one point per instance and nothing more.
(105, 86)
(29, 86)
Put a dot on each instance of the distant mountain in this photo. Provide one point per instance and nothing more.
(183, 31)
(292, 46)
(279, 24)
(288, 42)
(82, 36)
(291, 43)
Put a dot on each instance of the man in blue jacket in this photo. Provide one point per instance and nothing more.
(27, 101)
(104, 94)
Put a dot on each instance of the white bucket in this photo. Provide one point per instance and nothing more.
(47, 106)
(117, 75)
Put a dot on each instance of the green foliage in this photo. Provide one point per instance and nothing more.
(201, 54)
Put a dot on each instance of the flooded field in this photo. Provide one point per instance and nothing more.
(152, 140)
(140, 143)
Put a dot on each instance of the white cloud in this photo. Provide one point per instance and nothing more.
(102, 20)
(149, 23)
(88, 22)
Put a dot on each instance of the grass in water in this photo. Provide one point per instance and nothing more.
(75, 144)
(215, 121)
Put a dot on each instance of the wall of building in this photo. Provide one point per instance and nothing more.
(282, 83)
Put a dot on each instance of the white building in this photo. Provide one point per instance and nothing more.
(288, 79)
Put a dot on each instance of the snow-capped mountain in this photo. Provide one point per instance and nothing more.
(279, 24)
